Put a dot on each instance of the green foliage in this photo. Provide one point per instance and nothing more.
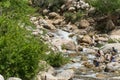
(20, 52)
(56, 59)
(73, 17)
(105, 6)
(112, 41)
(53, 5)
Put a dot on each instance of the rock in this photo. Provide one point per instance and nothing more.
(87, 64)
(70, 45)
(110, 25)
(57, 22)
(71, 9)
(80, 31)
(115, 32)
(46, 76)
(1, 77)
(73, 66)
(107, 47)
(33, 19)
(101, 76)
(65, 75)
(84, 58)
(14, 78)
(45, 11)
(47, 24)
(113, 66)
(115, 37)
(87, 39)
(83, 24)
(102, 39)
(54, 15)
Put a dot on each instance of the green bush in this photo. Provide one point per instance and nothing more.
(105, 6)
(53, 5)
(109, 9)
(73, 17)
(20, 52)
(56, 59)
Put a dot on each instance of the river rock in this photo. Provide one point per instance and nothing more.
(14, 78)
(87, 39)
(45, 11)
(65, 75)
(47, 24)
(115, 32)
(115, 37)
(113, 66)
(1, 77)
(57, 22)
(71, 9)
(83, 24)
(107, 47)
(69, 45)
(46, 76)
(54, 15)
(101, 76)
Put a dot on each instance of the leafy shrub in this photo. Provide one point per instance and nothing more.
(105, 6)
(53, 5)
(109, 9)
(20, 52)
(56, 59)
(73, 17)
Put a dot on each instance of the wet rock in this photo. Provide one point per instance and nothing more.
(54, 15)
(84, 58)
(113, 66)
(101, 76)
(73, 66)
(14, 78)
(102, 39)
(88, 64)
(107, 47)
(46, 76)
(83, 24)
(69, 45)
(1, 77)
(115, 38)
(65, 75)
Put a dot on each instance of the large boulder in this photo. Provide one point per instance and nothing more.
(65, 75)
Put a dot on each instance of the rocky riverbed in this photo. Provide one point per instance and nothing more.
(81, 46)
(79, 41)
